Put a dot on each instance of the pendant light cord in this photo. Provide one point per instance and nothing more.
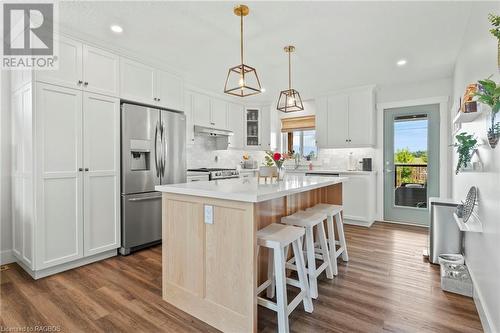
(241, 46)
(289, 70)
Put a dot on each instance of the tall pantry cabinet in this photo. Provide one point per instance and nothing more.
(66, 166)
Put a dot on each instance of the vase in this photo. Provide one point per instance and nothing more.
(493, 133)
(281, 173)
(493, 139)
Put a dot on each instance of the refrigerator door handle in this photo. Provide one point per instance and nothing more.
(164, 148)
(156, 151)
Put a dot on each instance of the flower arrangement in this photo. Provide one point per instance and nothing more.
(276, 159)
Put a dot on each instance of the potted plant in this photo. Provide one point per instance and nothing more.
(489, 94)
(466, 145)
(495, 31)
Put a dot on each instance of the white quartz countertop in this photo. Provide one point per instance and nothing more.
(251, 189)
(326, 171)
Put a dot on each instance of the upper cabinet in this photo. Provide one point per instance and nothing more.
(235, 123)
(209, 111)
(84, 67)
(145, 84)
(69, 71)
(346, 119)
(137, 81)
(100, 71)
(169, 91)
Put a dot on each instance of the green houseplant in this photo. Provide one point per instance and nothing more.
(489, 94)
(466, 145)
(495, 31)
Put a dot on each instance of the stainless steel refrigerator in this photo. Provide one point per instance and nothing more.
(153, 144)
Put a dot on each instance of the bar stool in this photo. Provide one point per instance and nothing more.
(309, 220)
(276, 237)
(334, 212)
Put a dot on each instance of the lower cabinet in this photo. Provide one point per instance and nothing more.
(359, 198)
(72, 139)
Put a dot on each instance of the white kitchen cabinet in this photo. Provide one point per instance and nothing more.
(137, 81)
(100, 71)
(322, 122)
(66, 171)
(201, 109)
(70, 70)
(361, 117)
(169, 91)
(359, 198)
(188, 111)
(346, 119)
(252, 128)
(59, 215)
(235, 120)
(101, 159)
(265, 129)
(218, 113)
(338, 120)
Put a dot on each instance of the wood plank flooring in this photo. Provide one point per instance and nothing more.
(385, 287)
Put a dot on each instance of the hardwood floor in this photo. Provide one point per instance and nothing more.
(385, 287)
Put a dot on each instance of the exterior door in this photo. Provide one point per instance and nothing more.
(411, 162)
(60, 190)
(101, 156)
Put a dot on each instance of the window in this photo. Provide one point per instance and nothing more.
(301, 142)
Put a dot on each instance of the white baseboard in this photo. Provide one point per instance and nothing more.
(7, 257)
(358, 222)
(70, 265)
(486, 322)
(404, 223)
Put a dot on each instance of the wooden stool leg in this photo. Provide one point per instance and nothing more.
(331, 244)
(301, 272)
(281, 299)
(311, 262)
(340, 230)
(270, 274)
(324, 250)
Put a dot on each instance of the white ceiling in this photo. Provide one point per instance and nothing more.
(338, 44)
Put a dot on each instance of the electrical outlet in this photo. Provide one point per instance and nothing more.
(209, 214)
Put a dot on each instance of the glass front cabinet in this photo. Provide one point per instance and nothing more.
(253, 127)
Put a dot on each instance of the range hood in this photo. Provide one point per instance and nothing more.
(211, 131)
(221, 136)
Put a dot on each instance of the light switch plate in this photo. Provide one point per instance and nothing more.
(209, 214)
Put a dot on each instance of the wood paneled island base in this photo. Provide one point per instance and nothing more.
(210, 270)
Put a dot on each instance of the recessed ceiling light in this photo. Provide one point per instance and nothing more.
(116, 29)
(262, 89)
(401, 62)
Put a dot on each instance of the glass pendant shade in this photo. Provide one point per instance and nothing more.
(242, 80)
(290, 101)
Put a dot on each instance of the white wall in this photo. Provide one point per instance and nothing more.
(5, 194)
(478, 60)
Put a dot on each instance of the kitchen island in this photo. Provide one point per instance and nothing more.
(209, 261)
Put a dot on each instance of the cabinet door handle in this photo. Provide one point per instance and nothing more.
(85, 83)
(79, 82)
(159, 99)
(86, 169)
(80, 169)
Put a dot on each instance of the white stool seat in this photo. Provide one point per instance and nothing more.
(278, 234)
(333, 212)
(277, 237)
(308, 220)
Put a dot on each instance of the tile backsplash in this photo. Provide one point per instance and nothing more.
(203, 154)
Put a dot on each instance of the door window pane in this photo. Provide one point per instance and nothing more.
(410, 161)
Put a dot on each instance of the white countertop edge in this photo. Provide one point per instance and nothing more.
(352, 172)
(244, 197)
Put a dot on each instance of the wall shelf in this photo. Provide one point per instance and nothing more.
(472, 225)
(462, 117)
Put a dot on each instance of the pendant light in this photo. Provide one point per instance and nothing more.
(289, 100)
(242, 80)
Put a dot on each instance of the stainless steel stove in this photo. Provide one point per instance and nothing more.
(218, 173)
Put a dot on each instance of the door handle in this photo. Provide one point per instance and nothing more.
(144, 199)
(156, 150)
(388, 170)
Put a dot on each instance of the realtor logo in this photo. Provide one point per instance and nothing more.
(28, 35)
